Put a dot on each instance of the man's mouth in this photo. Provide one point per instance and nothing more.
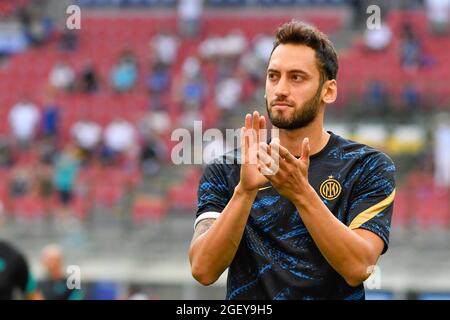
(281, 105)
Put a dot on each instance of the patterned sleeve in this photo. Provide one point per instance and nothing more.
(213, 192)
(372, 200)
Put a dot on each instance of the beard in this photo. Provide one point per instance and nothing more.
(302, 116)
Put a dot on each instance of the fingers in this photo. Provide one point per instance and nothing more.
(263, 129)
(255, 120)
(255, 125)
(263, 154)
(283, 152)
(253, 132)
(268, 159)
(275, 155)
(275, 135)
(265, 165)
(306, 149)
(248, 121)
(244, 146)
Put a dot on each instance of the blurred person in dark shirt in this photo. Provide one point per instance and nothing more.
(16, 280)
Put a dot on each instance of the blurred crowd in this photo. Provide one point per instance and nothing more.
(216, 76)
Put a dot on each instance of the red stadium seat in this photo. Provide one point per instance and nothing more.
(148, 209)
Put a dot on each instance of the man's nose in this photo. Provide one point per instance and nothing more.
(282, 88)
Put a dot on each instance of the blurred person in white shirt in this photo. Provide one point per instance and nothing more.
(442, 155)
(165, 46)
(189, 15)
(120, 136)
(379, 38)
(228, 93)
(62, 77)
(438, 12)
(23, 119)
(87, 135)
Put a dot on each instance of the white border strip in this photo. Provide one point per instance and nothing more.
(206, 215)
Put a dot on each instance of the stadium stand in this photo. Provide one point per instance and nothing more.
(113, 191)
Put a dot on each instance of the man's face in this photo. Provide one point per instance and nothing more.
(292, 87)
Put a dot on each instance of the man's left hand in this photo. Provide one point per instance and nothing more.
(290, 176)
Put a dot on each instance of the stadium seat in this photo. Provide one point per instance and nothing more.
(146, 208)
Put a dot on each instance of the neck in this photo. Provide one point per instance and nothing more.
(292, 139)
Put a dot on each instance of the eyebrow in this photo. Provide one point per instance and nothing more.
(291, 71)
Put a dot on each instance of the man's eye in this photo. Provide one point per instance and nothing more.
(271, 76)
(297, 77)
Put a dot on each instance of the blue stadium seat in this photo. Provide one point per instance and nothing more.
(434, 296)
(379, 295)
(104, 291)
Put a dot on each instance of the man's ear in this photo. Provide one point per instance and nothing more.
(329, 91)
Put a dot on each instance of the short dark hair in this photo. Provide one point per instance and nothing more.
(298, 32)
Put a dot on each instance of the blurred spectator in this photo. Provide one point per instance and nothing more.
(358, 12)
(55, 286)
(411, 98)
(20, 182)
(120, 136)
(234, 44)
(135, 292)
(6, 159)
(376, 98)
(254, 61)
(69, 40)
(158, 80)
(191, 67)
(36, 28)
(165, 47)
(263, 45)
(66, 169)
(43, 179)
(25, 18)
(47, 150)
(378, 39)
(410, 49)
(124, 73)
(89, 79)
(152, 153)
(12, 41)
(228, 93)
(192, 87)
(193, 94)
(438, 15)
(50, 119)
(230, 46)
(190, 92)
(189, 15)
(23, 118)
(87, 135)
(154, 122)
(210, 47)
(16, 278)
(442, 154)
(62, 77)
(252, 67)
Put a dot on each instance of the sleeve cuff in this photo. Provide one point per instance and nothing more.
(206, 215)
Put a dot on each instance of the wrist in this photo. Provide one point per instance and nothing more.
(239, 190)
(304, 197)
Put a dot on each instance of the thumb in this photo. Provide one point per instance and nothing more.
(305, 151)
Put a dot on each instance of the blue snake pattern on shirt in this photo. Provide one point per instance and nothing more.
(277, 257)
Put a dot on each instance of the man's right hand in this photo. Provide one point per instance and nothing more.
(252, 134)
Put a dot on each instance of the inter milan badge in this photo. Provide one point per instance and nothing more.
(330, 189)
